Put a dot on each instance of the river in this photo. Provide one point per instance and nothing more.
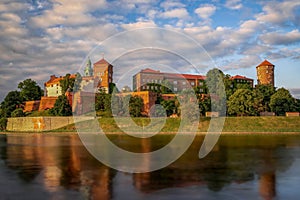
(58, 166)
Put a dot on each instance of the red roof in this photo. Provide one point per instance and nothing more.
(240, 77)
(184, 76)
(173, 75)
(102, 61)
(148, 70)
(265, 63)
(54, 79)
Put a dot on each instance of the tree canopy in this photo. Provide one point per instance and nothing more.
(30, 90)
(282, 101)
(61, 107)
(67, 83)
(12, 101)
(241, 103)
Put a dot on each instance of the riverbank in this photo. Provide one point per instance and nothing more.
(232, 125)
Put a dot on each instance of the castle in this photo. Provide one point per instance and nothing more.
(145, 84)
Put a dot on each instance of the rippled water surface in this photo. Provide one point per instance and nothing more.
(57, 166)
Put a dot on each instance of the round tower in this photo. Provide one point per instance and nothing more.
(265, 73)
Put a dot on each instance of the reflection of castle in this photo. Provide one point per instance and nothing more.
(37, 159)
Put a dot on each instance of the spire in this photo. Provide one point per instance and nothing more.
(88, 68)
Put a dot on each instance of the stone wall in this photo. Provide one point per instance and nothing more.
(37, 124)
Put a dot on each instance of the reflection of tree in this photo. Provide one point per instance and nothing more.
(237, 159)
(57, 161)
(217, 173)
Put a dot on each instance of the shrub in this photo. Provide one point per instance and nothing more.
(17, 113)
(3, 123)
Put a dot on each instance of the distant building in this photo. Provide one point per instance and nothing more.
(265, 73)
(237, 79)
(150, 80)
(99, 77)
(52, 86)
(104, 72)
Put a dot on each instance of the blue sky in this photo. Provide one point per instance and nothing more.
(39, 38)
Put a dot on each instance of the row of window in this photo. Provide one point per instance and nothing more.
(243, 81)
(175, 82)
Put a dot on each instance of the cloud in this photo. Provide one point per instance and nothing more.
(295, 92)
(175, 13)
(205, 11)
(167, 5)
(233, 4)
(280, 13)
(275, 38)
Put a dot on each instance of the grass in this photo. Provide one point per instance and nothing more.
(232, 124)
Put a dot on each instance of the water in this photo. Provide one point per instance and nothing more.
(55, 166)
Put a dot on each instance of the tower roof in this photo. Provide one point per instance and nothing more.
(265, 63)
(102, 61)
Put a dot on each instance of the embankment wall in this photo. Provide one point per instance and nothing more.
(38, 124)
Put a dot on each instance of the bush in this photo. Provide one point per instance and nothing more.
(17, 113)
(3, 123)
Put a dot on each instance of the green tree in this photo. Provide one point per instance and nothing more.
(266, 91)
(136, 106)
(282, 101)
(169, 106)
(216, 88)
(67, 83)
(229, 86)
(77, 82)
(61, 107)
(3, 123)
(30, 90)
(18, 113)
(204, 105)
(241, 103)
(12, 101)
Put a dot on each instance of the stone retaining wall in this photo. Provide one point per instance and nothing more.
(40, 123)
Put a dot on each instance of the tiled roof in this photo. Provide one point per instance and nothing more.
(54, 79)
(102, 61)
(173, 75)
(240, 77)
(265, 63)
(148, 70)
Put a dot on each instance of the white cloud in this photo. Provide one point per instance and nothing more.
(142, 24)
(205, 11)
(275, 38)
(167, 5)
(234, 4)
(175, 13)
(280, 13)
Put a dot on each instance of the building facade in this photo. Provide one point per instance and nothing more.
(103, 71)
(238, 79)
(265, 73)
(153, 80)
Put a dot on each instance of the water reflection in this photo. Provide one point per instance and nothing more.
(58, 166)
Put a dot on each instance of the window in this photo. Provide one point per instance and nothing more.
(175, 82)
(175, 89)
(144, 80)
(200, 83)
(183, 83)
(200, 90)
(193, 83)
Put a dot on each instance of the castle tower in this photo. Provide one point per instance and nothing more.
(103, 71)
(265, 73)
(88, 71)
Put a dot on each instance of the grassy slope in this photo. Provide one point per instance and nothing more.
(232, 124)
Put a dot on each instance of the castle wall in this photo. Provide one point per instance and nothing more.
(31, 106)
(37, 124)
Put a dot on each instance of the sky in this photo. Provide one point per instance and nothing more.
(39, 38)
